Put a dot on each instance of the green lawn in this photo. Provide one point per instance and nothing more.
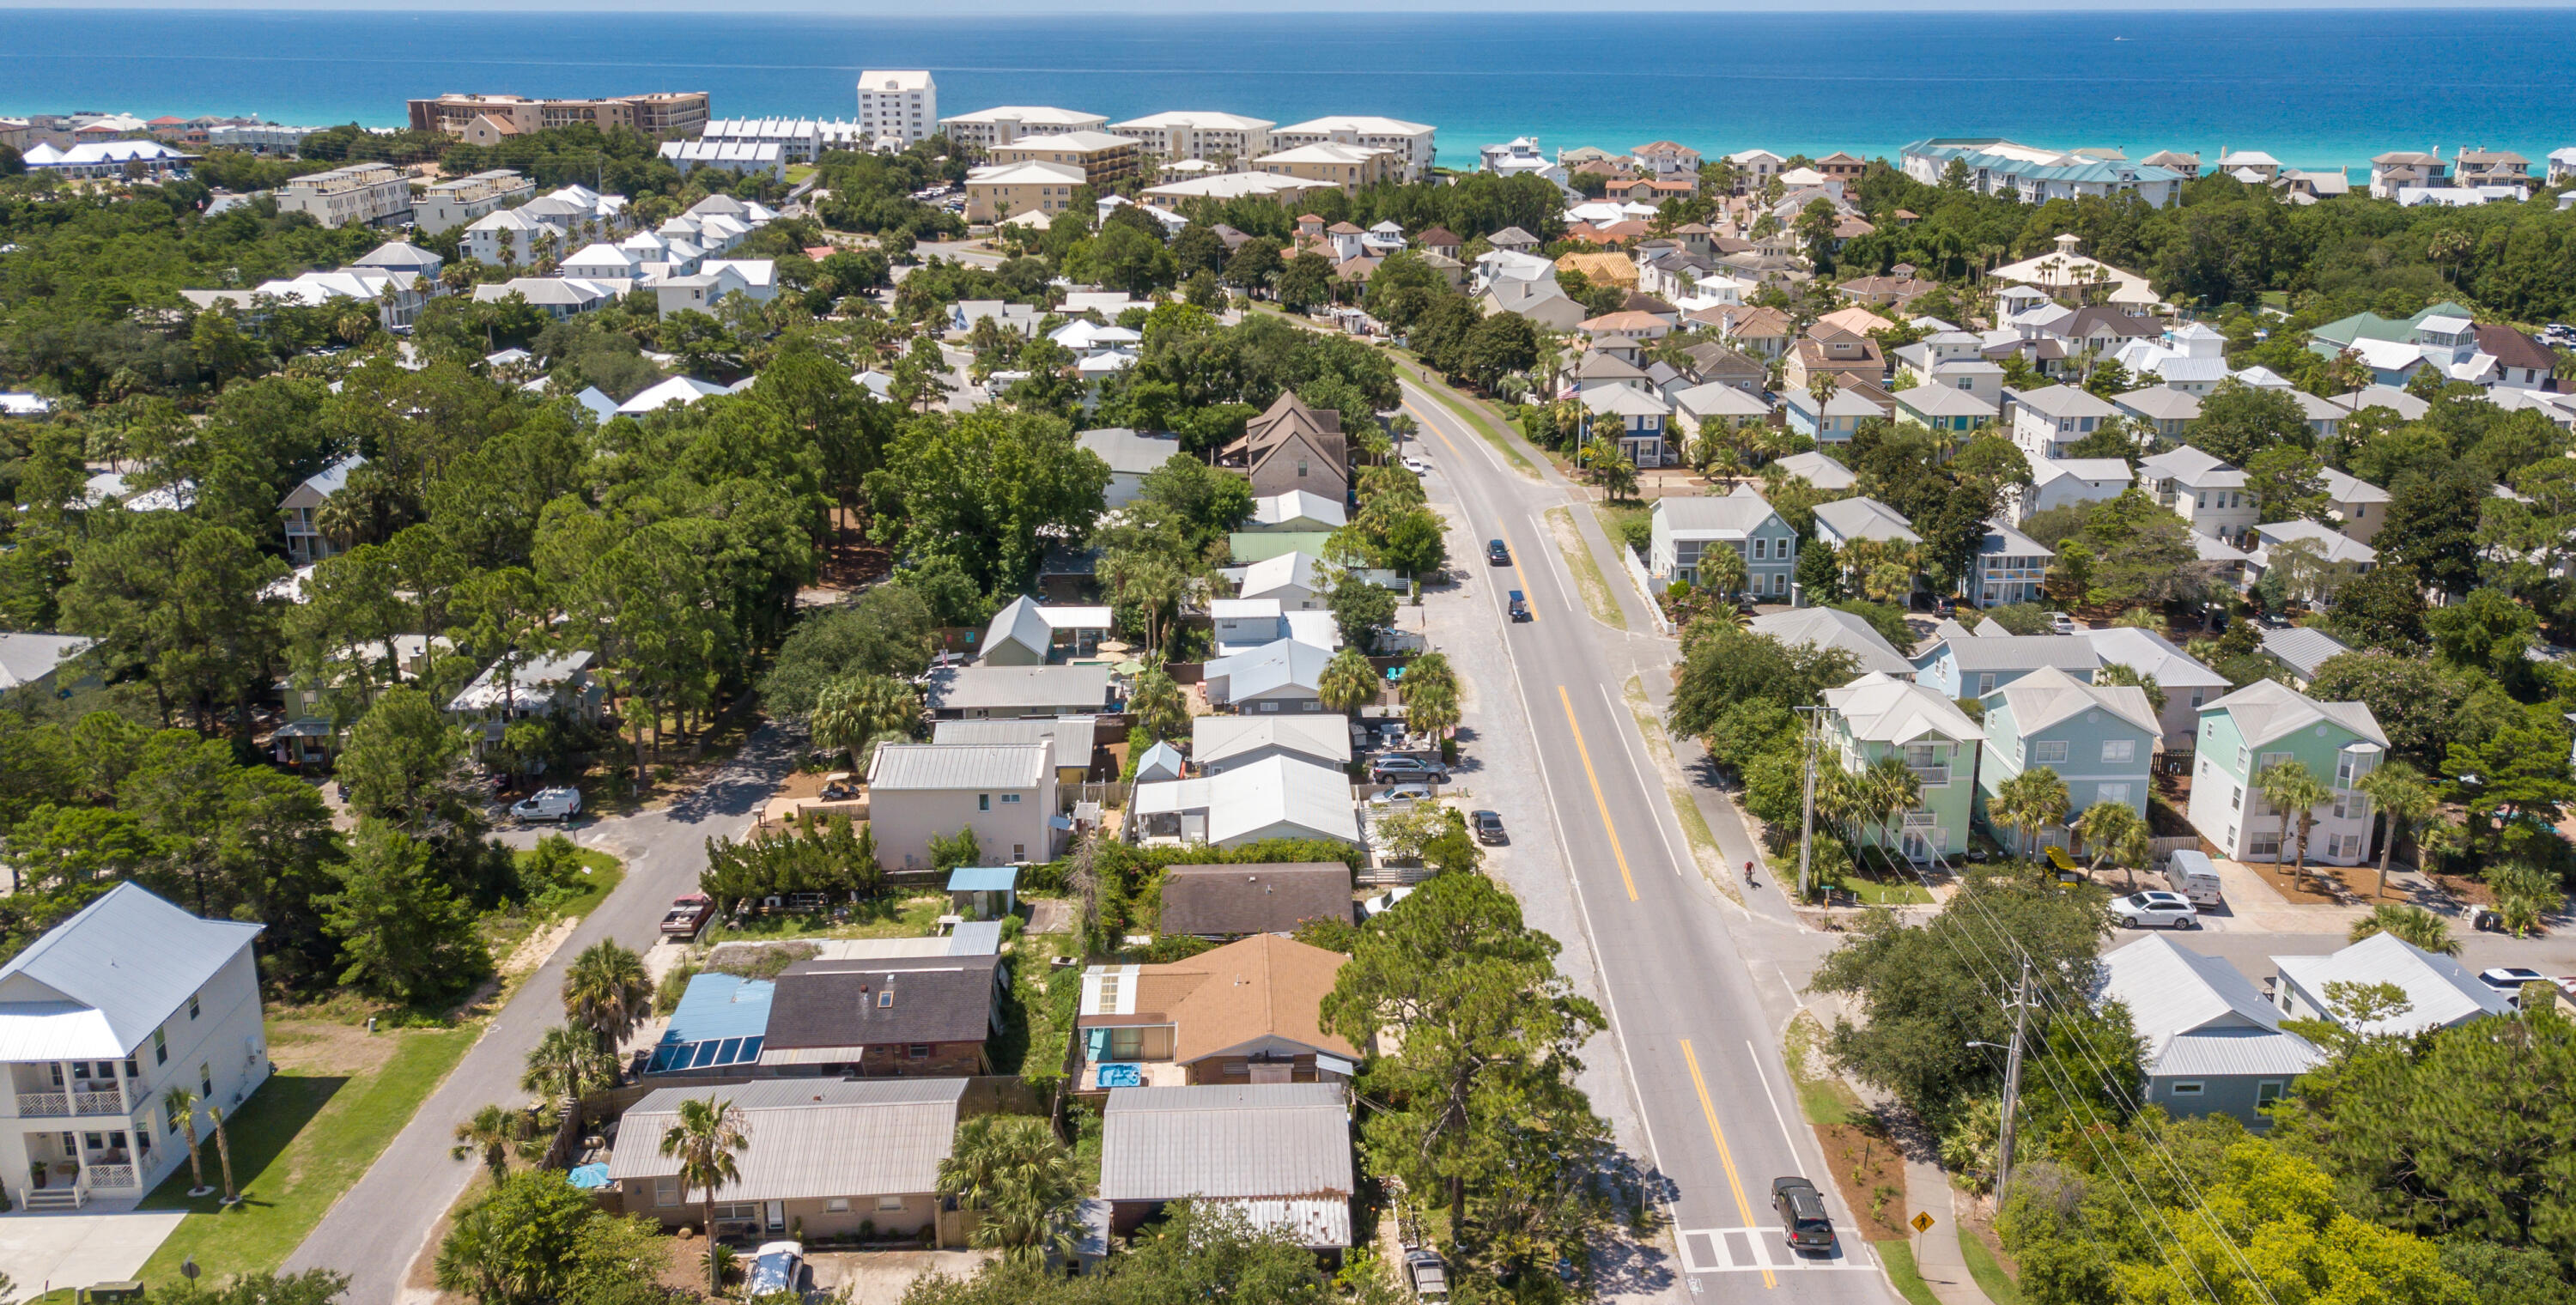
(1890, 892)
(1473, 414)
(1587, 573)
(1898, 1255)
(1991, 1278)
(298, 1143)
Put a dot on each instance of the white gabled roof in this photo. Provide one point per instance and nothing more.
(2049, 695)
(1275, 573)
(2268, 709)
(1267, 793)
(682, 390)
(1867, 518)
(1022, 623)
(1298, 505)
(1882, 709)
(2198, 1014)
(1325, 738)
(1281, 663)
(95, 986)
(2440, 991)
(1736, 516)
(2152, 655)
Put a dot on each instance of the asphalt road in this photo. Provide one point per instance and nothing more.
(1691, 1028)
(382, 1224)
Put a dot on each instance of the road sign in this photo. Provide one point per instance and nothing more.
(1922, 1222)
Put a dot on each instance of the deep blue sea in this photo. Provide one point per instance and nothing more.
(2312, 87)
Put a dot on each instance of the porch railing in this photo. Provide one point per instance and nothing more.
(109, 1176)
(98, 1103)
(44, 1105)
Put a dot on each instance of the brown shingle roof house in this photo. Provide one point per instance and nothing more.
(1247, 1012)
(1292, 446)
(1233, 901)
(907, 1016)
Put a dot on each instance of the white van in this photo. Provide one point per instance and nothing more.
(2189, 873)
(549, 804)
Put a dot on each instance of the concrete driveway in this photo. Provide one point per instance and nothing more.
(44, 1250)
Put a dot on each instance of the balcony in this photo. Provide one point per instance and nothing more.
(70, 1105)
(1931, 776)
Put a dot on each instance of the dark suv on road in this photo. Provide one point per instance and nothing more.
(1497, 554)
(1802, 1212)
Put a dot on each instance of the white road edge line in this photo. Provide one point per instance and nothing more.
(1759, 1073)
(1591, 939)
(1619, 716)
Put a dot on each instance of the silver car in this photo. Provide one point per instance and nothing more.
(2155, 910)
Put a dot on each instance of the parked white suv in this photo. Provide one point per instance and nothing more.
(2155, 910)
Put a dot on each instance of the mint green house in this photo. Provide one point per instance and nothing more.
(2268, 722)
(1879, 716)
(2099, 738)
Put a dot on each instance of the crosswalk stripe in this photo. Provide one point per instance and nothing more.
(1760, 1254)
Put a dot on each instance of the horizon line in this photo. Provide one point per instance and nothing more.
(889, 9)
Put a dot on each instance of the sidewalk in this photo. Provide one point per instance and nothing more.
(1937, 1257)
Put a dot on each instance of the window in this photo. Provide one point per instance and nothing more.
(2267, 1092)
(1270, 706)
(1010, 799)
(2048, 752)
(2186, 1089)
(2351, 764)
(2264, 844)
(2111, 793)
(2351, 806)
(1985, 685)
(836, 1205)
(1126, 1044)
(889, 1203)
(1920, 755)
(2236, 799)
(2119, 749)
(1019, 852)
(1301, 468)
(983, 801)
(2197, 696)
(192, 1005)
(917, 1051)
(205, 1080)
(2343, 847)
(885, 999)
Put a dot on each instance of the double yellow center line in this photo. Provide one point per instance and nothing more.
(1597, 800)
(1725, 1157)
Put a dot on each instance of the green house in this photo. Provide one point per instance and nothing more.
(1879, 716)
(2100, 739)
(2260, 726)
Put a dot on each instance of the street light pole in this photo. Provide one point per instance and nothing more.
(1807, 806)
(2012, 1085)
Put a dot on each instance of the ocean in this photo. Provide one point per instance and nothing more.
(2314, 88)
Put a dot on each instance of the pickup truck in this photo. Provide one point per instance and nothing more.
(687, 916)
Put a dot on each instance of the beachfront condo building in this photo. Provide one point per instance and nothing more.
(900, 106)
(662, 114)
(986, 128)
(1193, 134)
(1411, 141)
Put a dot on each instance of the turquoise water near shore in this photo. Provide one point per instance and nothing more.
(2312, 87)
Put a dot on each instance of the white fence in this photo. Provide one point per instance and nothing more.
(1636, 569)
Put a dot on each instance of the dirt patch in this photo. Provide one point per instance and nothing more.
(2317, 885)
(326, 1047)
(2468, 892)
(535, 949)
(1871, 1171)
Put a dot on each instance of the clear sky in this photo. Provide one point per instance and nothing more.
(986, 8)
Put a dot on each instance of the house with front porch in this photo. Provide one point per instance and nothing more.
(1954, 411)
(1642, 416)
(1685, 528)
(1877, 717)
(2100, 740)
(2010, 567)
(2206, 493)
(100, 1017)
(2267, 723)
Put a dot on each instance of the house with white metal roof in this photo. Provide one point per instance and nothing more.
(2048, 419)
(2356, 505)
(1826, 627)
(1076, 738)
(2268, 723)
(1818, 469)
(1003, 692)
(1684, 528)
(2169, 412)
(824, 1154)
(1976, 666)
(2303, 650)
(2185, 682)
(2010, 567)
(1284, 675)
(1877, 717)
(2439, 991)
(1278, 797)
(31, 660)
(1004, 792)
(1296, 511)
(2099, 739)
(2064, 482)
(2214, 1045)
(1846, 521)
(1279, 1152)
(2206, 493)
(1222, 743)
(98, 1019)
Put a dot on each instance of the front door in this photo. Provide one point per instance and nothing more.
(777, 1216)
(1922, 842)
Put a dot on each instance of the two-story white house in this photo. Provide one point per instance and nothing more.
(2010, 567)
(2045, 421)
(1685, 528)
(102, 1016)
(2203, 491)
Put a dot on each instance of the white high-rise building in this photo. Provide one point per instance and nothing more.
(901, 105)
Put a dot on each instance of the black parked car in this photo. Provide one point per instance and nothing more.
(1802, 1212)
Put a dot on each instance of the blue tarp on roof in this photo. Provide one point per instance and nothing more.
(984, 879)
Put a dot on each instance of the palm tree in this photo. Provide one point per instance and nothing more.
(856, 712)
(1020, 1176)
(1430, 690)
(473, 1260)
(607, 991)
(2293, 791)
(1885, 792)
(722, 1262)
(565, 1063)
(181, 1104)
(704, 1140)
(2029, 802)
(223, 1151)
(2399, 791)
(492, 1135)
(2414, 924)
(2115, 832)
(1349, 681)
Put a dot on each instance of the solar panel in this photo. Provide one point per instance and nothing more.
(706, 1055)
(725, 1053)
(751, 1048)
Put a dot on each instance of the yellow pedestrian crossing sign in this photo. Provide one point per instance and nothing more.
(1922, 1222)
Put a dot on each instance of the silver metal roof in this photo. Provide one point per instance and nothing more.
(899, 766)
(1020, 687)
(810, 1137)
(1271, 1140)
(98, 984)
(2198, 1014)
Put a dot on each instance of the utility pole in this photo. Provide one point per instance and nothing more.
(2012, 1084)
(1807, 807)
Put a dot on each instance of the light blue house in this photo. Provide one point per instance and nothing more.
(2009, 568)
(2265, 724)
(1685, 528)
(1843, 413)
(1980, 664)
(2099, 738)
